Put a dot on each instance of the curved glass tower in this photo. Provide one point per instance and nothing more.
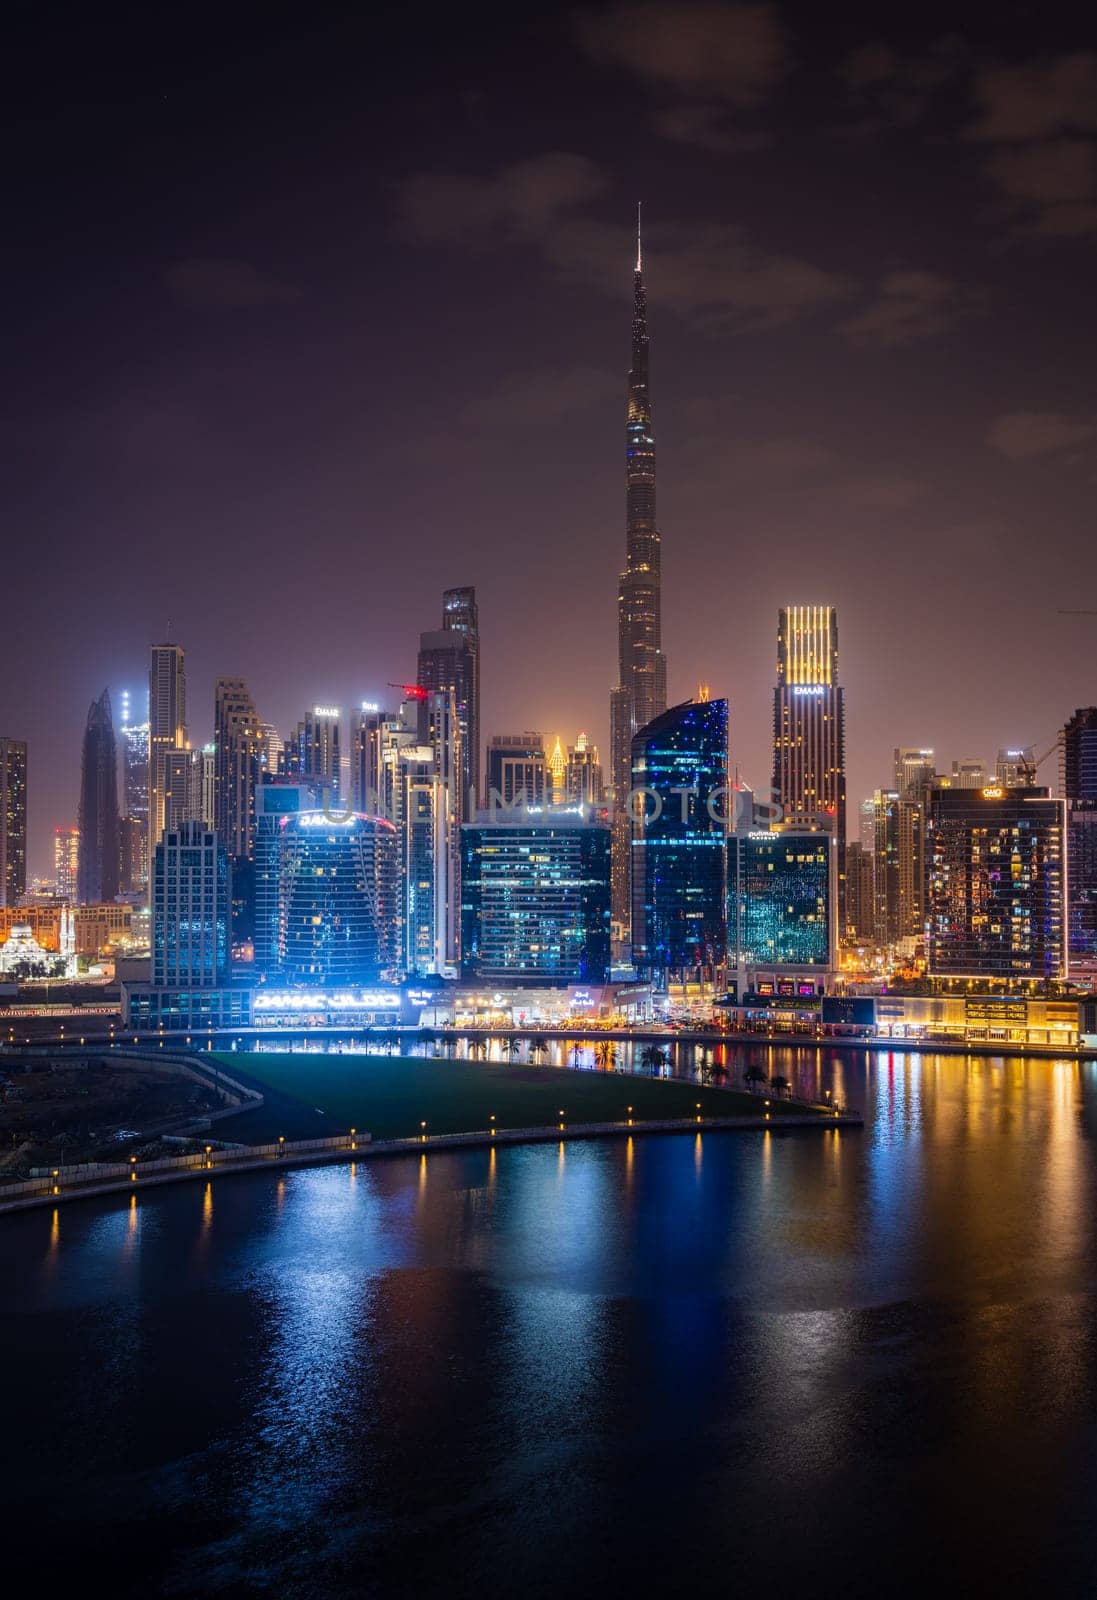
(338, 898)
(97, 872)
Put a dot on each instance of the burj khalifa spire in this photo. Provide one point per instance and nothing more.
(641, 692)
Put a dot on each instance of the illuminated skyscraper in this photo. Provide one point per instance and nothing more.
(641, 694)
(312, 754)
(809, 741)
(517, 769)
(781, 910)
(996, 886)
(97, 877)
(13, 821)
(449, 659)
(1078, 786)
(167, 727)
(583, 775)
(135, 799)
(679, 909)
(238, 746)
(915, 776)
(338, 899)
(66, 863)
(190, 909)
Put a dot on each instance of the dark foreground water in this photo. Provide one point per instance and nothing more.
(838, 1363)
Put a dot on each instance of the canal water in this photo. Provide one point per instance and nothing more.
(846, 1362)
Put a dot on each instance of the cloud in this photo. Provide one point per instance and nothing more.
(891, 90)
(908, 306)
(709, 273)
(1051, 187)
(213, 283)
(525, 197)
(542, 397)
(1022, 435)
(735, 52)
(1038, 100)
(708, 127)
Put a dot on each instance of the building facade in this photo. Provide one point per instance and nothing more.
(191, 909)
(996, 885)
(517, 770)
(809, 738)
(167, 728)
(135, 800)
(782, 911)
(680, 779)
(339, 897)
(13, 821)
(535, 900)
(449, 661)
(641, 692)
(66, 864)
(238, 748)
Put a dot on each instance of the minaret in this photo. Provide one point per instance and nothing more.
(641, 694)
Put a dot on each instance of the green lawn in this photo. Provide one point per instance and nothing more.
(388, 1096)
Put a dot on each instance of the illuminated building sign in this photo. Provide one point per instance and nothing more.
(326, 1000)
(808, 688)
(325, 711)
(993, 793)
(371, 705)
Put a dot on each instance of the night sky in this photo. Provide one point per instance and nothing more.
(312, 316)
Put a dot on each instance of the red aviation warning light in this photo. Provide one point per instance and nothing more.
(412, 691)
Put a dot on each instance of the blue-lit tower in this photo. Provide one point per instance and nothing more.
(679, 779)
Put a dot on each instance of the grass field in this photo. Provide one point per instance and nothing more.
(388, 1096)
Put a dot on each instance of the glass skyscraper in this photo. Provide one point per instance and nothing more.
(679, 915)
(190, 909)
(339, 898)
(100, 857)
(781, 889)
(13, 821)
(449, 659)
(809, 738)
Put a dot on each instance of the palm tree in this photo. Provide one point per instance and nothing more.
(478, 1047)
(576, 1054)
(653, 1058)
(427, 1038)
(706, 1065)
(753, 1076)
(781, 1086)
(539, 1047)
(606, 1054)
(512, 1044)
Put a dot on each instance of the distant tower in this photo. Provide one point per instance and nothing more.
(191, 899)
(449, 658)
(13, 821)
(239, 746)
(135, 799)
(641, 694)
(97, 877)
(66, 863)
(167, 728)
(809, 737)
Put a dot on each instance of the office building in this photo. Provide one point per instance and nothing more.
(535, 899)
(517, 770)
(1015, 767)
(449, 661)
(13, 821)
(275, 799)
(679, 911)
(66, 864)
(339, 897)
(782, 911)
(866, 819)
(191, 907)
(1078, 756)
(167, 730)
(809, 742)
(885, 868)
(996, 886)
(100, 852)
(970, 772)
(915, 776)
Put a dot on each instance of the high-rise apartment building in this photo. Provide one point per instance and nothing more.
(641, 692)
(970, 772)
(535, 899)
(996, 885)
(134, 825)
(338, 899)
(782, 911)
(66, 864)
(13, 821)
(583, 784)
(100, 849)
(517, 770)
(679, 903)
(915, 776)
(191, 899)
(1015, 766)
(888, 921)
(313, 753)
(167, 728)
(1078, 786)
(238, 752)
(860, 922)
(809, 741)
(449, 660)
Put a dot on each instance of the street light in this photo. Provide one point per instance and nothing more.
(698, 1110)
(629, 1110)
(561, 1119)
(423, 1132)
(493, 1124)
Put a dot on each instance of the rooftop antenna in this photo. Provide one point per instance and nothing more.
(639, 244)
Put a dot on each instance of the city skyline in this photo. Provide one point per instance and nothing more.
(888, 417)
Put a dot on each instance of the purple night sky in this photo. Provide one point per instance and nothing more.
(309, 319)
